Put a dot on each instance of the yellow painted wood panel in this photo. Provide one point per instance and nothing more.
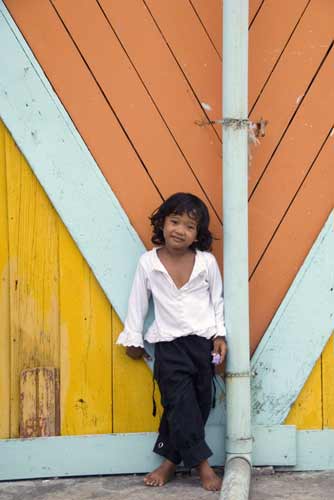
(33, 264)
(86, 377)
(306, 412)
(328, 384)
(133, 389)
(29, 264)
(4, 296)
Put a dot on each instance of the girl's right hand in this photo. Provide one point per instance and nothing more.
(137, 353)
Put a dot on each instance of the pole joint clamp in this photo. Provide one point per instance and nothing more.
(237, 374)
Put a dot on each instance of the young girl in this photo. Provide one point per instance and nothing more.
(188, 332)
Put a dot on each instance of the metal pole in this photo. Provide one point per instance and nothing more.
(235, 214)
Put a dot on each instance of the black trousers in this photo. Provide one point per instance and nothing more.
(184, 373)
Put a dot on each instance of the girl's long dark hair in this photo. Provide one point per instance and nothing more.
(179, 204)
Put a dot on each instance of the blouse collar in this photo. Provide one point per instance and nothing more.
(199, 265)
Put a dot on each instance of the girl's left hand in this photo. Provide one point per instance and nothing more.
(220, 347)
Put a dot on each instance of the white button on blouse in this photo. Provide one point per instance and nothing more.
(197, 308)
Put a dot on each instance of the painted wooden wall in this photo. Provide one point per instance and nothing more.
(53, 313)
(136, 90)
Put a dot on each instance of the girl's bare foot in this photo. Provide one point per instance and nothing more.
(161, 475)
(210, 480)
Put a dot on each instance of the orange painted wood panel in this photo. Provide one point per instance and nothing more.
(254, 7)
(211, 16)
(289, 82)
(267, 38)
(292, 242)
(198, 60)
(88, 108)
(173, 97)
(127, 95)
(133, 105)
(192, 49)
(292, 161)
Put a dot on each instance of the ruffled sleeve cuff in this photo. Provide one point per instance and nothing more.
(130, 338)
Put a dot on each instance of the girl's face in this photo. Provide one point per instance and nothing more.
(180, 231)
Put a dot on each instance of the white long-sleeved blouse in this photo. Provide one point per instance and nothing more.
(197, 308)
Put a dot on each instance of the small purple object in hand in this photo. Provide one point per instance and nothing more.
(216, 358)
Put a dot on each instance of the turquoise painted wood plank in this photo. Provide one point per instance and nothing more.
(274, 445)
(297, 334)
(123, 453)
(89, 455)
(67, 171)
(315, 451)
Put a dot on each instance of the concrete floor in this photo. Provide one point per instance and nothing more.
(265, 485)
